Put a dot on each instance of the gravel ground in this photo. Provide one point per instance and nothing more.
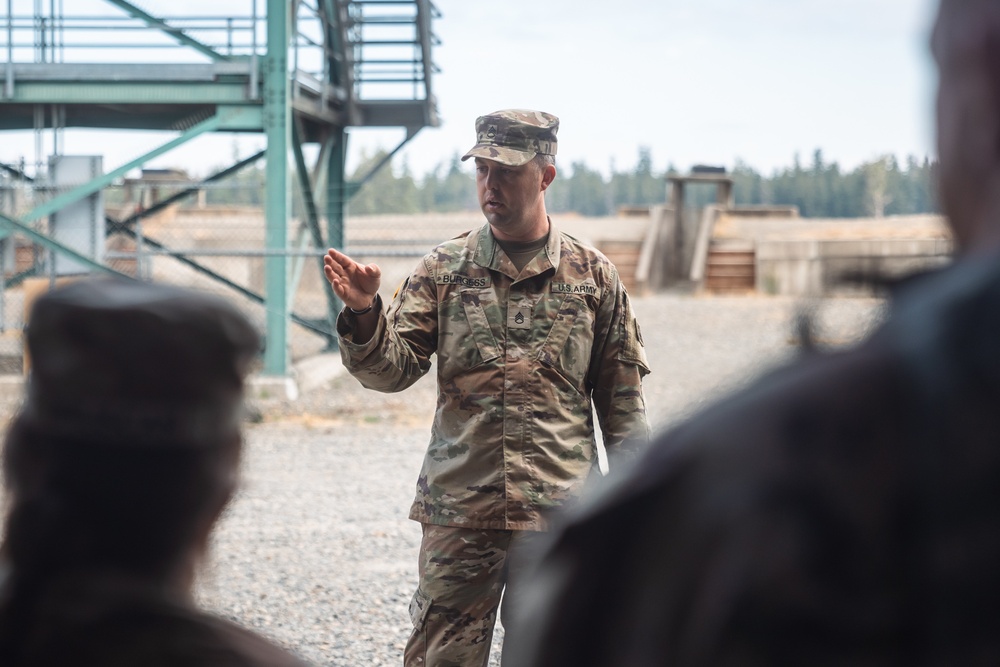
(316, 552)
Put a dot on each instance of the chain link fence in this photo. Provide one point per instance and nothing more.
(201, 242)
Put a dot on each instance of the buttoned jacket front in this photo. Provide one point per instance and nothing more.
(523, 362)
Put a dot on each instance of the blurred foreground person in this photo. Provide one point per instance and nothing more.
(117, 466)
(844, 510)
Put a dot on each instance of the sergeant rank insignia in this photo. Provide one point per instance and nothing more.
(519, 317)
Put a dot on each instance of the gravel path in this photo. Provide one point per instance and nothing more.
(317, 553)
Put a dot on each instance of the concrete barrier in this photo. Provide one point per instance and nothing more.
(819, 267)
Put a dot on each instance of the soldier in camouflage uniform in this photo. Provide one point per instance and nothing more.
(533, 331)
(844, 510)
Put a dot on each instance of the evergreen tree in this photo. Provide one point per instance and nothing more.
(585, 191)
(458, 188)
(878, 178)
(384, 192)
(649, 187)
(244, 188)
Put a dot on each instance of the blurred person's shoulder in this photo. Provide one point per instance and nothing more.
(785, 495)
(139, 626)
(808, 426)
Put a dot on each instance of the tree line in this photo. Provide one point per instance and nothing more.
(822, 190)
(882, 186)
(879, 187)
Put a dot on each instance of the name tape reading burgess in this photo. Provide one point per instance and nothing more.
(463, 280)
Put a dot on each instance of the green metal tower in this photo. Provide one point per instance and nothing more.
(299, 72)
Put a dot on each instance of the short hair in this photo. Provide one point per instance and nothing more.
(542, 160)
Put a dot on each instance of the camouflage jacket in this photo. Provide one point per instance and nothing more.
(522, 358)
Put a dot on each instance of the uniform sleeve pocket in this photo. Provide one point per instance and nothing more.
(632, 350)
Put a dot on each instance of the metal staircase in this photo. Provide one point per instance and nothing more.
(297, 71)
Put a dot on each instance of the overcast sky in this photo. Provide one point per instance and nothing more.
(695, 81)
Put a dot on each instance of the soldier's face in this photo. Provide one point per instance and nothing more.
(509, 196)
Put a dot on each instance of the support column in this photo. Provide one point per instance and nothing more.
(336, 188)
(678, 201)
(277, 126)
(724, 194)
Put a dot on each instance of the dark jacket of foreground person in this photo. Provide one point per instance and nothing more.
(844, 510)
(117, 466)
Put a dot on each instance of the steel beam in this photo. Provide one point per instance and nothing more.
(125, 92)
(277, 127)
(127, 223)
(182, 256)
(336, 54)
(336, 188)
(410, 133)
(163, 26)
(425, 11)
(101, 182)
(19, 226)
(161, 117)
(312, 220)
(141, 72)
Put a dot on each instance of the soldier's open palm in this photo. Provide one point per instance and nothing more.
(356, 284)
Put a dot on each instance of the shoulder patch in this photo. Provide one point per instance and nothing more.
(463, 280)
(402, 284)
(577, 288)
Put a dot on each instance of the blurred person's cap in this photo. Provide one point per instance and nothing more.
(514, 136)
(137, 363)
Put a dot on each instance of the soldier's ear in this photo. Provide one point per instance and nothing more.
(548, 175)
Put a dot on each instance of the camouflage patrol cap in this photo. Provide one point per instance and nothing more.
(131, 363)
(514, 136)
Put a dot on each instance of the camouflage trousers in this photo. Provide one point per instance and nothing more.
(463, 572)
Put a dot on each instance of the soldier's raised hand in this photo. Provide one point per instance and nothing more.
(356, 284)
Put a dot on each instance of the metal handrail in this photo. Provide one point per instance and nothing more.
(231, 35)
(382, 40)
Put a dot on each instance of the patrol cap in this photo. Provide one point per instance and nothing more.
(137, 364)
(514, 136)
